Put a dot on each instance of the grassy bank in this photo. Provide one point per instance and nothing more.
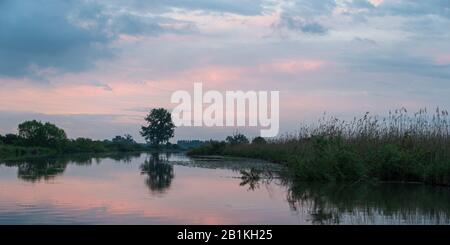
(8, 152)
(400, 147)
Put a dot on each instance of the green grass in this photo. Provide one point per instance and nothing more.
(400, 147)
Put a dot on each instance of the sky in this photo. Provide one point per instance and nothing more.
(95, 68)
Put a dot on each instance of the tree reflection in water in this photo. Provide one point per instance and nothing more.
(37, 169)
(159, 172)
(362, 203)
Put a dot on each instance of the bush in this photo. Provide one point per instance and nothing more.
(210, 148)
(259, 141)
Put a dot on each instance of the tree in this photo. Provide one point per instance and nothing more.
(11, 139)
(38, 134)
(160, 127)
(126, 139)
(125, 143)
(237, 139)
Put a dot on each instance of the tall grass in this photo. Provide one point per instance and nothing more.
(399, 147)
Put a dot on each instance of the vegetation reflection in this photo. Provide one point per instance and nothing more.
(159, 172)
(45, 168)
(368, 203)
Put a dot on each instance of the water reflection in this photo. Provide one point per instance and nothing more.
(254, 178)
(362, 203)
(124, 158)
(205, 191)
(37, 169)
(158, 171)
(371, 203)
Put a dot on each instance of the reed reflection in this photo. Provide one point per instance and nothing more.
(254, 178)
(360, 203)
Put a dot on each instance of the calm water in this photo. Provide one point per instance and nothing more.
(174, 189)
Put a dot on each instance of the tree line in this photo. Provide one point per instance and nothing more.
(44, 138)
(47, 137)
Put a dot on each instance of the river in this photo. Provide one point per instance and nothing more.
(175, 189)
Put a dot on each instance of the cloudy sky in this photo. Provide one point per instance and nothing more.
(96, 67)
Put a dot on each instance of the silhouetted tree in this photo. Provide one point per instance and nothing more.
(124, 143)
(126, 139)
(36, 133)
(160, 127)
(10, 139)
(236, 139)
(35, 137)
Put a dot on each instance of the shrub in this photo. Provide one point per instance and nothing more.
(259, 141)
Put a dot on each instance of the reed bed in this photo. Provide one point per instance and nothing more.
(410, 147)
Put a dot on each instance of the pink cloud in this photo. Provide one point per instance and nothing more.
(225, 76)
(68, 97)
(214, 74)
(124, 86)
(293, 65)
(443, 59)
(376, 2)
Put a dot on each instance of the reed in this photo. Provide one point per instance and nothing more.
(399, 147)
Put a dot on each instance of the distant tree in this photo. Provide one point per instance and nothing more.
(125, 143)
(129, 139)
(126, 139)
(160, 127)
(39, 134)
(85, 145)
(237, 139)
(11, 139)
(259, 141)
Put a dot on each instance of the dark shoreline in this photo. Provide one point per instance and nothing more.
(236, 152)
(92, 154)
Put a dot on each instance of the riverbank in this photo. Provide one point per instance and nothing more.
(12, 153)
(335, 159)
(400, 148)
(8, 152)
